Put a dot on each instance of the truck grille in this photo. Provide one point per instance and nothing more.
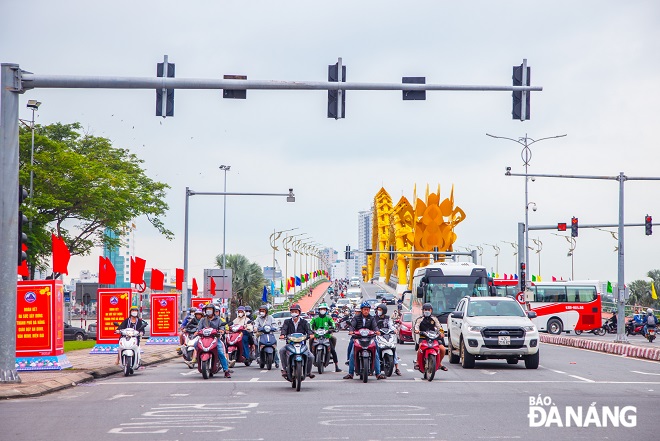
(495, 332)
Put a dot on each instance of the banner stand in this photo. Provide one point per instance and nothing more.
(164, 323)
(113, 306)
(43, 363)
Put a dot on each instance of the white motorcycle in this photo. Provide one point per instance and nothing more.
(129, 350)
(386, 342)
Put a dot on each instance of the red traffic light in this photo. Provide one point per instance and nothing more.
(574, 221)
(561, 226)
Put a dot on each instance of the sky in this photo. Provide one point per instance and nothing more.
(596, 61)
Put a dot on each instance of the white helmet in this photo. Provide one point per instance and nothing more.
(649, 311)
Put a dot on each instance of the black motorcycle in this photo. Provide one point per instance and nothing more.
(610, 325)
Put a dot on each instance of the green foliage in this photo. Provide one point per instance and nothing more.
(247, 280)
(77, 345)
(82, 185)
(640, 291)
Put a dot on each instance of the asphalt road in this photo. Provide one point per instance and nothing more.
(491, 402)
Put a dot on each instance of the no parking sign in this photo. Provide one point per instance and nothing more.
(521, 297)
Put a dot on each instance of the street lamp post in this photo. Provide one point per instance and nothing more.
(526, 156)
(497, 258)
(273, 239)
(287, 244)
(224, 168)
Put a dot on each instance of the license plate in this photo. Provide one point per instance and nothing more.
(504, 340)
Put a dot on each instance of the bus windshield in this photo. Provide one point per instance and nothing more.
(445, 292)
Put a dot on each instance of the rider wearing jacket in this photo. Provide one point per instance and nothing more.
(650, 320)
(294, 325)
(210, 320)
(364, 320)
(135, 322)
(242, 320)
(263, 319)
(429, 322)
(325, 322)
(385, 322)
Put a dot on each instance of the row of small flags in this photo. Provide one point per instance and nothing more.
(535, 278)
(297, 281)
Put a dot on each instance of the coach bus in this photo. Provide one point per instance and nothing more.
(560, 306)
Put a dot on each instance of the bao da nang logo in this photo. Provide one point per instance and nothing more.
(114, 300)
(163, 303)
(30, 296)
(544, 413)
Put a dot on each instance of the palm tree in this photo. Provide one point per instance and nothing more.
(247, 281)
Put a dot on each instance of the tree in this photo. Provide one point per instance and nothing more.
(640, 291)
(247, 281)
(83, 185)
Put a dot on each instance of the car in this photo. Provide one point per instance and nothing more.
(380, 293)
(483, 328)
(388, 299)
(343, 302)
(279, 317)
(404, 329)
(373, 302)
(74, 333)
(91, 331)
(355, 281)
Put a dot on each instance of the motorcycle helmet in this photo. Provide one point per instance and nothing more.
(365, 305)
(198, 311)
(427, 306)
(248, 310)
(295, 307)
(240, 308)
(383, 307)
(263, 307)
(321, 307)
(649, 311)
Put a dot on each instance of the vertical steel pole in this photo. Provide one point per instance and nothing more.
(528, 157)
(521, 252)
(9, 84)
(224, 241)
(185, 301)
(621, 281)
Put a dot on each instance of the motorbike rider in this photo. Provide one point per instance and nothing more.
(324, 321)
(133, 321)
(184, 324)
(357, 312)
(364, 320)
(210, 320)
(429, 322)
(242, 320)
(650, 320)
(263, 319)
(385, 322)
(293, 325)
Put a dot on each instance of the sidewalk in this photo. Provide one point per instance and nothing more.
(307, 303)
(86, 367)
(636, 349)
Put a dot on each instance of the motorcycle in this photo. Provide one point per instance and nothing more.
(386, 342)
(297, 360)
(267, 346)
(321, 348)
(129, 350)
(428, 355)
(610, 326)
(208, 360)
(633, 328)
(364, 353)
(598, 331)
(650, 334)
(235, 346)
(189, 343)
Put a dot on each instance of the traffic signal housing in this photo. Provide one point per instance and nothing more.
(391, 253)
(347, 253)
(574, 227)
(523, 276)
(22, 221)
(517, 111)
(648, 225)
(336, 98)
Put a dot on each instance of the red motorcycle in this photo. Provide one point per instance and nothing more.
(428, 355)
(364, 353)
(208, 360)
(235, 346)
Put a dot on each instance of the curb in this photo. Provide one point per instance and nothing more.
(626, 350)
(72, 379)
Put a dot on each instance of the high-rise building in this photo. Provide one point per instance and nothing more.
(365, 219)
(120, 256)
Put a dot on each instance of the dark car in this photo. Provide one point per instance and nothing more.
(380, 294)
(91, 331)
(74, 333)
(388, 299)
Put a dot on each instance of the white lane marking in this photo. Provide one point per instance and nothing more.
(119, 396)
(404, 364)
(582, 378)
(389, 380)
(188, 373)
(179, 395)
(410, 370)
(264, 371)
(253, 380)
(488, 372)
(644, 373)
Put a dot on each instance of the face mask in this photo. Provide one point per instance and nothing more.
(133, 313)
(262, 314)
(427, 313)
(209, 312)
(379, 313)
(240, 314)
(323, 312)
(249, 313)
(294, 314)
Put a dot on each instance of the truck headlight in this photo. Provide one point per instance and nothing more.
(476, 329)
(531, 328)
